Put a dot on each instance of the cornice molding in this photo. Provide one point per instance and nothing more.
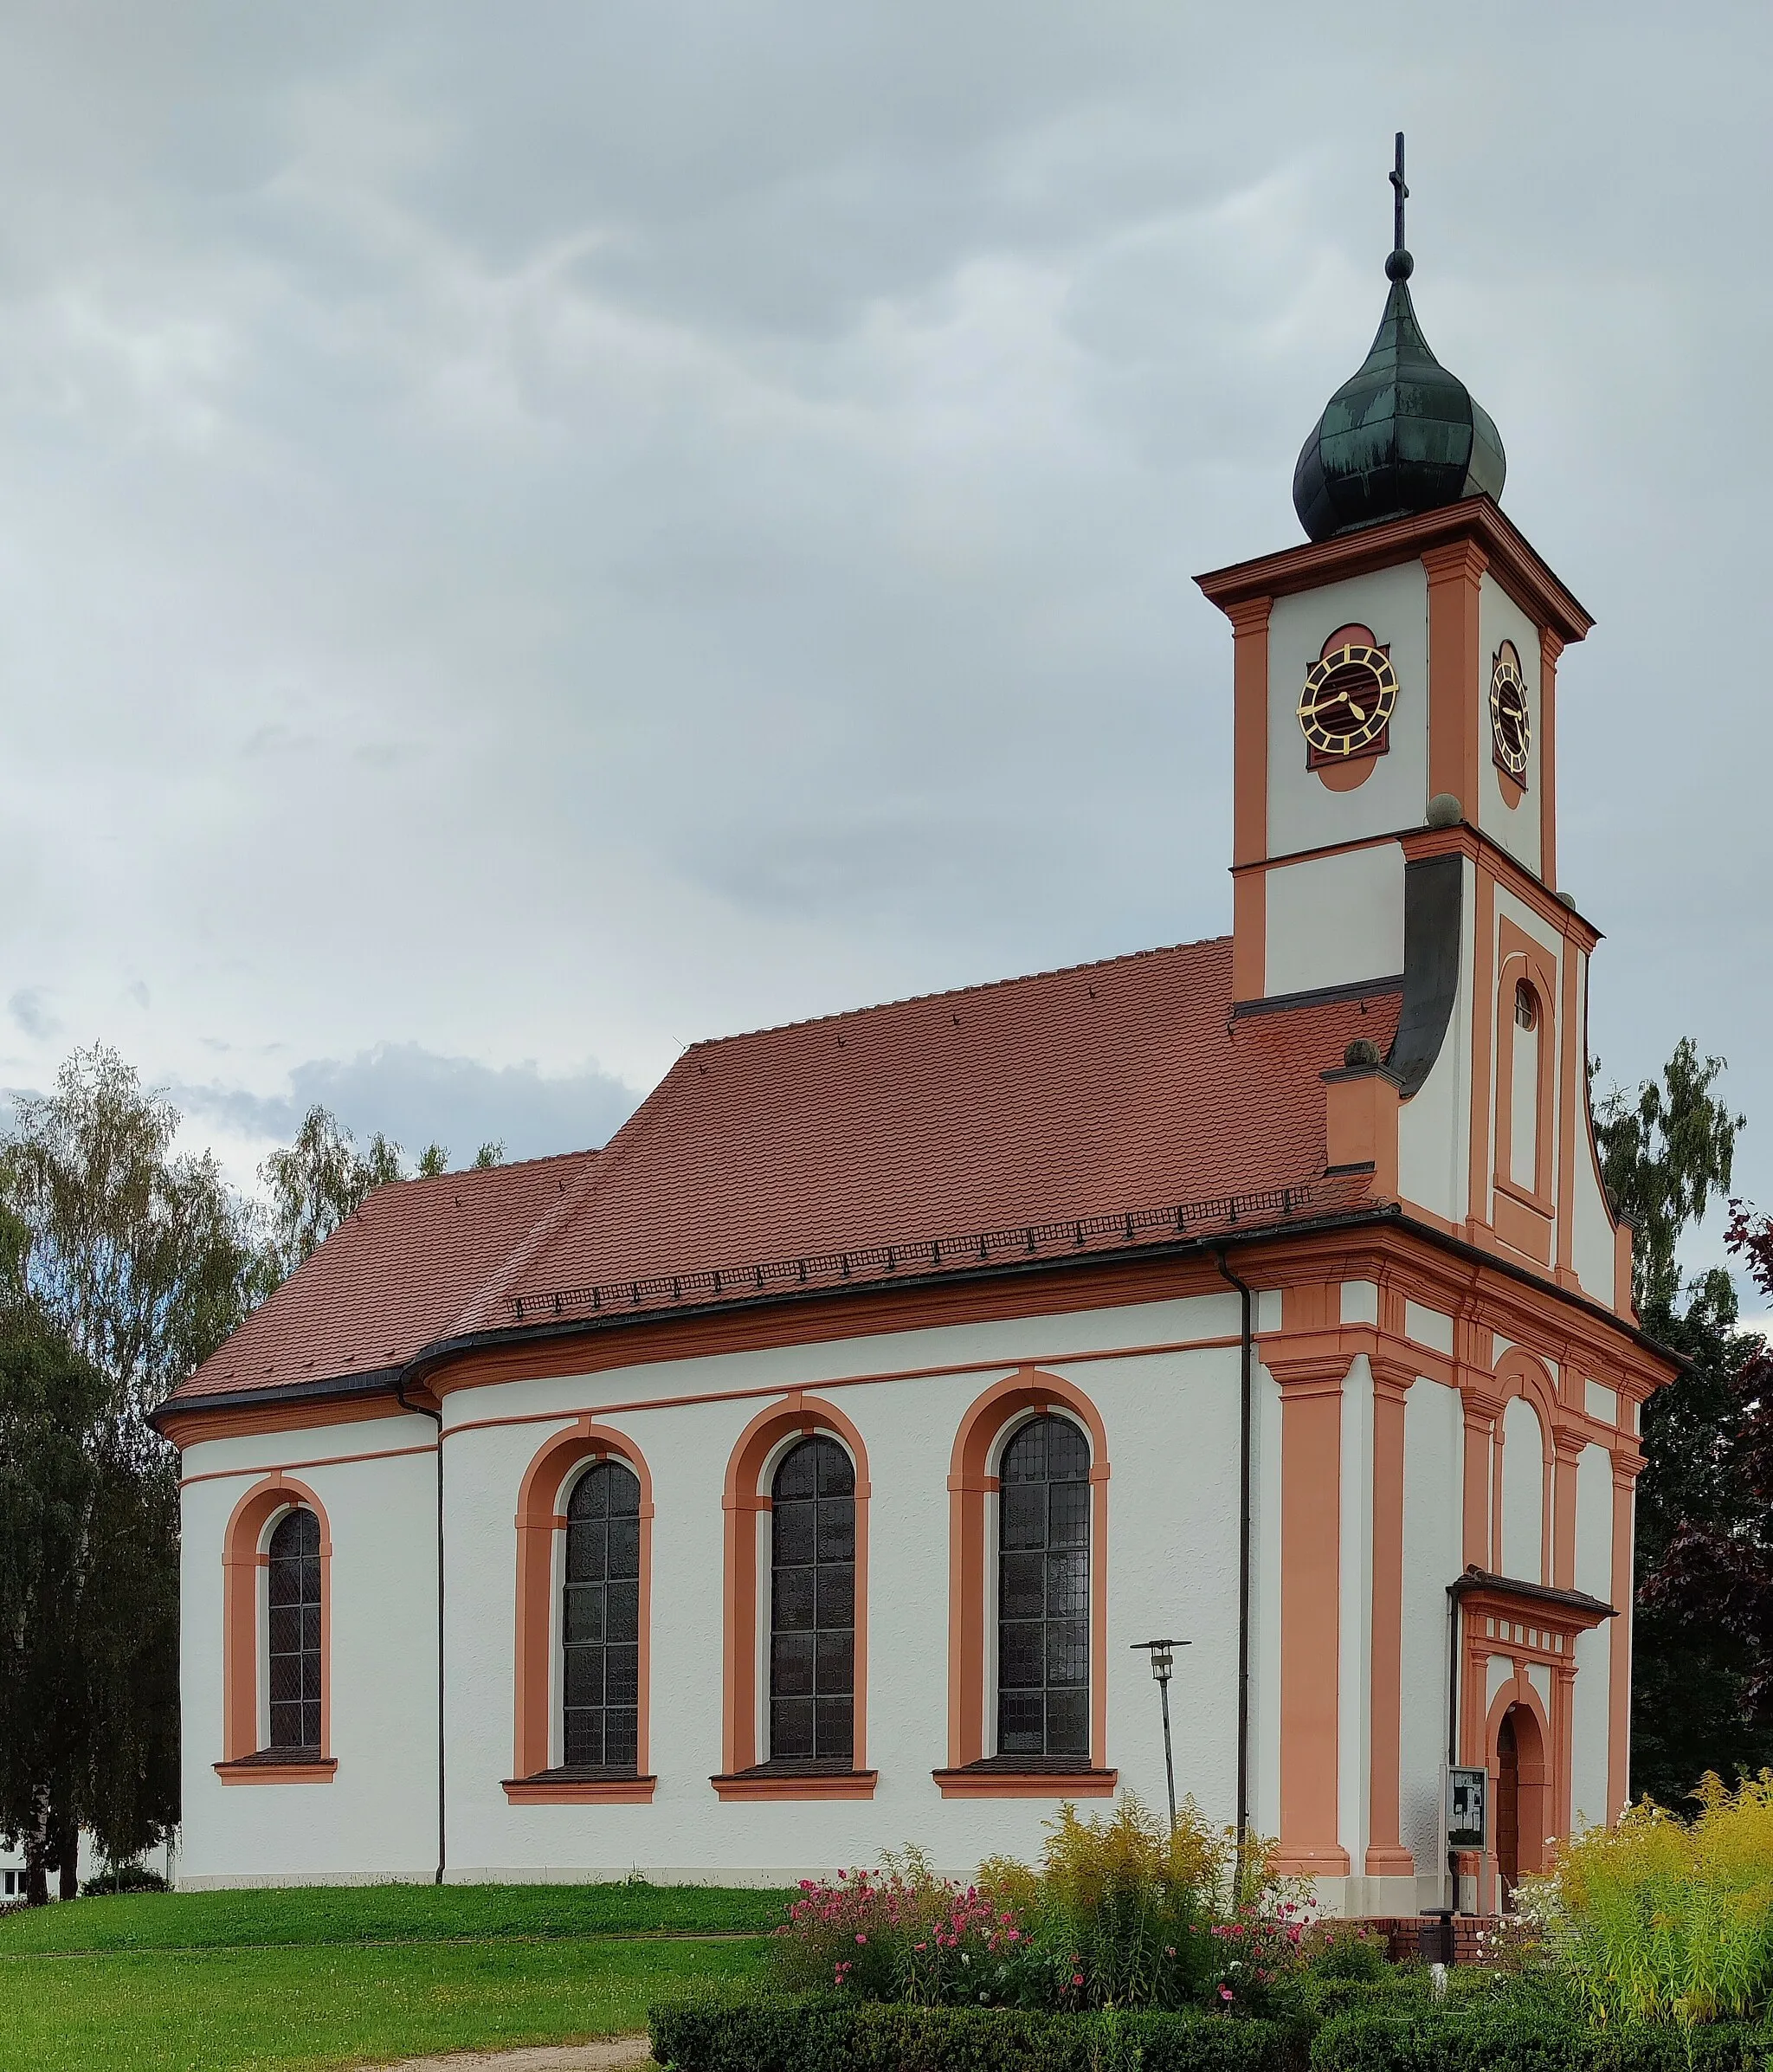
(1473, 522)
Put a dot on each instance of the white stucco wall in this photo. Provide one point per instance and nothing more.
(1335, 920)
(1594, 1573)
(1171, 1418)
(1592, 1228)
(377, 1816)
(1433, 1439)
(1303, 812)
(1434, 1126)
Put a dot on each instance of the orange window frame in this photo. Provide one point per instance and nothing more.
(539, 1520)
(970, 1488)
(744, 1501)
(244, 1561)
(1522, 959)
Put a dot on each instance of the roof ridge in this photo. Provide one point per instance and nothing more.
(956, 992)
(475, 1173)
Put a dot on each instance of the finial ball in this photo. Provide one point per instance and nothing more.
(1444, 810)
(1399, 266)
(1362, 1054)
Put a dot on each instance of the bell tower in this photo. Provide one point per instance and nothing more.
(1395, 681)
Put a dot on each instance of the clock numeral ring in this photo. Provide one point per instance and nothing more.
(1347, 701)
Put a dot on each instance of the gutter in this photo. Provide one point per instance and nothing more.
(1245, 1423)
(389, 1380)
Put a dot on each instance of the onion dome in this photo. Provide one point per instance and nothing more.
(1400, 437)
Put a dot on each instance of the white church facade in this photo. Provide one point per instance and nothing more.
(795, 1477)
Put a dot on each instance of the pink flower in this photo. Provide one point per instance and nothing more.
(1077, 1977)
(1225, 1992)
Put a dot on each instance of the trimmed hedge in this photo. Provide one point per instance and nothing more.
(1473, 2040)
(784, 2033)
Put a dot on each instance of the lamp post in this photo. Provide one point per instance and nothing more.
(1162, 1654)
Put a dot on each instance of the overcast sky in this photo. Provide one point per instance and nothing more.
(532, 534)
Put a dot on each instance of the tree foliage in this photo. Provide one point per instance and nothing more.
(88, 1613)
(123, 1263)
(1664, 1155)
(321, 1178)
(140, 1254)
(1700, 1667)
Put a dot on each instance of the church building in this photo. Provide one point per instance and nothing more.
(798, 1475)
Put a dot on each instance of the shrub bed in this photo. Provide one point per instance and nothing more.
(796, 2033)
(1526, 2038)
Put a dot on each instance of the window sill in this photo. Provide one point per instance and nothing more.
(793, 1779)
(998, 1776)
(279, 1766)
(566, 1787)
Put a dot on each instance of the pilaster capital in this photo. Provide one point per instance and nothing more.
(1248, 615)
(1458, 559)
(1567, 1445)
(1627, 1465)
(1307, 1374)
(1483, 1406)
(1392, 1378)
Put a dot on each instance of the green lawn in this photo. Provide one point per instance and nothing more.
(246, 1982)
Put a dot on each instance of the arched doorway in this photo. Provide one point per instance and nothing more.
(1522, 1798)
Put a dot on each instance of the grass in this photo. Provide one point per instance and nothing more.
(298, 1980)
(381, 1914)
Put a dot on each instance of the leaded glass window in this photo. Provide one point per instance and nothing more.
(294, 1641)
(600, 1620)
(1043, 1591)
(812, 1604)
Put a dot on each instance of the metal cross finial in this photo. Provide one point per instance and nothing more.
(1400, 195)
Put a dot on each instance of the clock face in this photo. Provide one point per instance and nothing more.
(1511, 725)
(1348, 699)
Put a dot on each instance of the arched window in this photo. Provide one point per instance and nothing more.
(292, 1636)
(600, 1621)
(812, 1604)
(1043, 1591)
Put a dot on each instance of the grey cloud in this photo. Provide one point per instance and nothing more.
(417, 1097)
(29, 1008)
(558, 530)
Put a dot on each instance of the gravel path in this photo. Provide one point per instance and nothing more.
(612, 2054)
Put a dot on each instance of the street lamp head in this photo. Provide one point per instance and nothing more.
(1163, 1654)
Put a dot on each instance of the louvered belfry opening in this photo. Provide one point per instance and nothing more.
(1043, 1591)
(812, 1605)
(293, 1640)
(600, 1621)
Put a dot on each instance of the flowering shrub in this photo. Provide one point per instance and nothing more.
(1662, 1919)
(1122, 1912)
(904, 1933)
(1129, 1912)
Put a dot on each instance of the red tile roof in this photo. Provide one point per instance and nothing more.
(390, 1279)
(1090, 1093)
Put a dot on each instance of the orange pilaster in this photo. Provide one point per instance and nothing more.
(1249, 814)
(1311, 1624)
(1455, 670)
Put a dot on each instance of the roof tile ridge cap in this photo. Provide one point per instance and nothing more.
(484, 1176)
(956, 992)
(540, 1233)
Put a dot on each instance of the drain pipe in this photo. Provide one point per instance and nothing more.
(1246, 1424)
(436, 1417)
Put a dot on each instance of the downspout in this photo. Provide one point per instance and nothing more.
(436, 1417)
(1246, 1425)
